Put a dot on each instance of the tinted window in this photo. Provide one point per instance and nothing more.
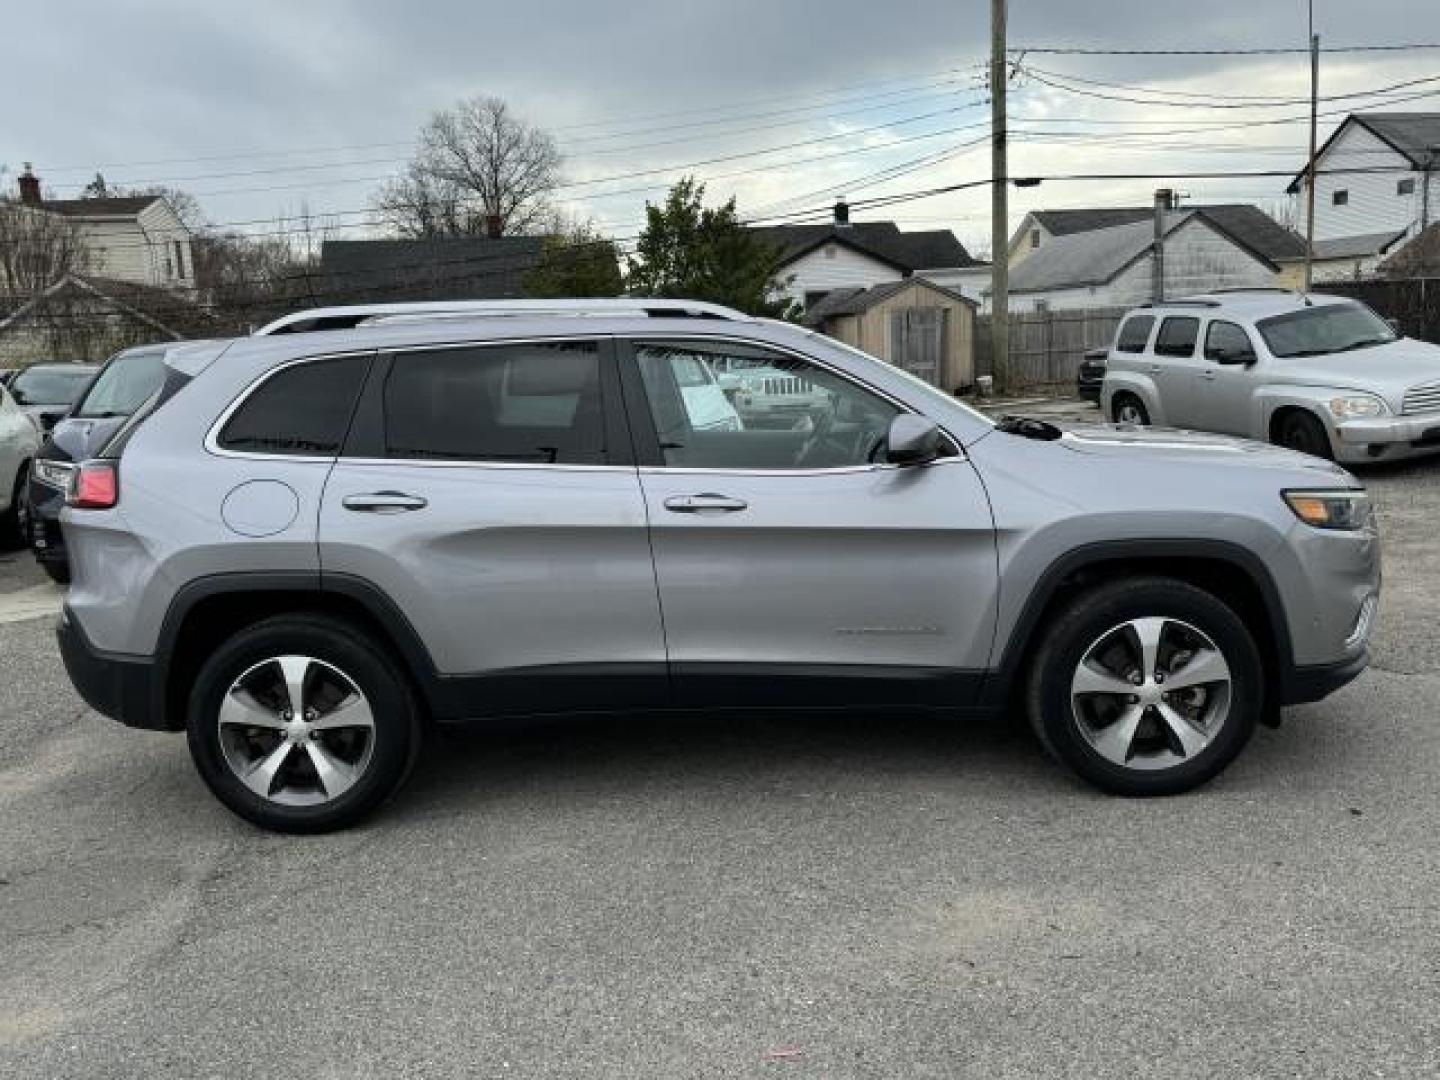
(752, 409)
(536, 403)
(304, 409)
(124, 385)
(50, 386)
(1177, 337)
(1134, 334)
(1225, 337)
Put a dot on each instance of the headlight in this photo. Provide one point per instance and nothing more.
(54, 473)
(1346, 508)
(1353, 406)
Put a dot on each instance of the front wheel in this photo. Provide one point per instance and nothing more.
(1297, 430)
(302, 724)
(1146, 687)
(1129, 409)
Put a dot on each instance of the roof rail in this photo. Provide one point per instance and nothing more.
(1252, 288)
(1181, 303)
(350, 316)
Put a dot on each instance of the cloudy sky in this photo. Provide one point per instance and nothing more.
(261, 107)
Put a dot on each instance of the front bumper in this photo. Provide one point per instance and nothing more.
(1312, 682)
(124, 688)
(1387, 437)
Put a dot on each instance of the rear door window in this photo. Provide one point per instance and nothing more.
(1134, 333)
(532, 403)
(302, 410)
(1177, 337)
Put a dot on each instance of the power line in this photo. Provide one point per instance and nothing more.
(1067, 50)
(1034, 74)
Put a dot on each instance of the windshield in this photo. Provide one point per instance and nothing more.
(1330, 328)
(50, 386)
(124, 385)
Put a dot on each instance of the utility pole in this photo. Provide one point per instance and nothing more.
(1310, 180)
(999, 204)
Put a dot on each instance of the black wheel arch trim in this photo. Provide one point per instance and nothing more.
(1017, 647)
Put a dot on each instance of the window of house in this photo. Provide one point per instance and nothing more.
(1177, 337)
(754, 409)
(1034, 238)
(531, 403)
(1340, 198)
(179, 259)
(169, 266)
(1134, 334)
(302, 410)
(1405, 186)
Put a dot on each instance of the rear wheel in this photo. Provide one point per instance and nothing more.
(1298, 430)
(1146, 687)
(301, 724)
(1129, 409)
(15, 522)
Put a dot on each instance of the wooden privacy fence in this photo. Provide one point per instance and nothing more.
(1046, 347)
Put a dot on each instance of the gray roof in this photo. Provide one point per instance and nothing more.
(1356, 247)
(122, 206)
(463, 268)
(930, 249)
(1086, 258)
(1415, 135)
(1247, 225)
(854, 300)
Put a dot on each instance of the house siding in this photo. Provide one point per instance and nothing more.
(1373, 205)
(139, 249)
(845, 268)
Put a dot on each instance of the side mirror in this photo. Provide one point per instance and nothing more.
(1394, 324)
(912, 440)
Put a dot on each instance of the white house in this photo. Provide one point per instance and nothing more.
(1114, 267)
(133, 238)
(1375, 186)
(819, 259)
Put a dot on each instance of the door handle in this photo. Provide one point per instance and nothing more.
(384, 502)
(707, 502)
(1208, 374)
(1154, 369)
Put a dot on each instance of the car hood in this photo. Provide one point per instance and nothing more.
(1155, 444)
(75, 439)
(1386, 369)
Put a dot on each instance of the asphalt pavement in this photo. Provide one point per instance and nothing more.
(865, 896)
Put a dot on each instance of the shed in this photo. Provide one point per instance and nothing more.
(914, 324)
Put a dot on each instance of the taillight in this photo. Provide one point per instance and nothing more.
(95, 486)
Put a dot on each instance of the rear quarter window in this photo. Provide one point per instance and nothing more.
(302, 410)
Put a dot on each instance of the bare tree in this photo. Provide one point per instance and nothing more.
(36, 249)
(478, 170)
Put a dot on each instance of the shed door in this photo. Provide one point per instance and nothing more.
(917, 342)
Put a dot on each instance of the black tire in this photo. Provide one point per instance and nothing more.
(395, 734)
(14, 522)
(1086, 620)
(1120, 401)
(1299, 430)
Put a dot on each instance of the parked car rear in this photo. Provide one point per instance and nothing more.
(1091, 375)
(125, 382)
(47, 391)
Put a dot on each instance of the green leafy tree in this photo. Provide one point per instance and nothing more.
(688, 251)
(578, 262)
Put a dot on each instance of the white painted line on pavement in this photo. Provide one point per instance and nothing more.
(37, 602)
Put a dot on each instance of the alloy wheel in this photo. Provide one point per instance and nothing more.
(296, 730)
(1151, 693)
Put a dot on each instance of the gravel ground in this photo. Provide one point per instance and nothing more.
(873, 896)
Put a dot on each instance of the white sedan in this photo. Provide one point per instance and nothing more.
(19, 439)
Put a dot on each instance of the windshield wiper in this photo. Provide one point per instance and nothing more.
(1027, 427)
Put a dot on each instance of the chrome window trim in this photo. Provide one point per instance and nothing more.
(636, 340)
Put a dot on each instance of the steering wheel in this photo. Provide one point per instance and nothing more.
(819, 430)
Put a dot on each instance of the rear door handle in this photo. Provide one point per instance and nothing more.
(708, 502)
(1208, 373)
(384, 502)
(1154, 369)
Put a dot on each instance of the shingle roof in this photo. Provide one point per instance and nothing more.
(1247, 225)
(1085, 258)
(1355, 247)
(853, 301)
(126, 206)
(931, 249)
(1419, 258)
(1415, 135)
(361, 271)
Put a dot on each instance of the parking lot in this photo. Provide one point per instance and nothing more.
(875, 896)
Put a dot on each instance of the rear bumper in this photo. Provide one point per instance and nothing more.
(124, 688)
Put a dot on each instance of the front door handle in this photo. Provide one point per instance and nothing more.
(384, 502)
(708, 502)
(1209, 374)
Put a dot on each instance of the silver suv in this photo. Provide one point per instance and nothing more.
(309, 546)
(1319, 374)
